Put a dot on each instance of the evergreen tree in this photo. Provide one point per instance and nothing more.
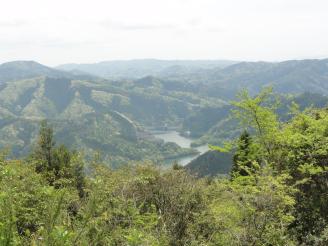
(242, 159)
(45, 148)
(79, 177)
(60, 166)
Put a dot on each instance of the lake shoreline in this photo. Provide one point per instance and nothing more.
(182, 141)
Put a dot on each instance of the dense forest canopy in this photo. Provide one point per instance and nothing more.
(276, 193)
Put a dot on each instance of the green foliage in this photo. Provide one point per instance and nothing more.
(305, 153)
(143, 205)
(258, 114)
(252, 210)
(59, 166)
(277, 195)
(45, 147)
(245, 160)
(25, 202)
(211, 163)
(298, 147)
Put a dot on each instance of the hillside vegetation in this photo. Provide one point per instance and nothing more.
(111, 116)
(91, 115)
(276, 193)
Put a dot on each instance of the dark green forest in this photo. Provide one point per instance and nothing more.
(275, 194)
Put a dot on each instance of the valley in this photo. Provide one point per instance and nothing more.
(164, 123)
(183, 142)
(112, 113)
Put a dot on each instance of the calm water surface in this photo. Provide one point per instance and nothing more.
(184, 142)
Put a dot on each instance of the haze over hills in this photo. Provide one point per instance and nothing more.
(112, 115)
(222, 78)
(27, 69)
(17, 70)
(143, 67)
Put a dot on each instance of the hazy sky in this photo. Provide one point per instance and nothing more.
(61, 31)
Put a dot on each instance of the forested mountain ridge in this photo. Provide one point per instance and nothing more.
(286, 77)
(85, 115)
(90, 107)
(224, 79)
(192, 97)
(17, 70)
(294, 76)
(143, 67)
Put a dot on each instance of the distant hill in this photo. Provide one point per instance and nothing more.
(286, 77)
(190, 96)
(143, 67)
(91, 115)
(221, 79)
(27, 69)
(211, 163)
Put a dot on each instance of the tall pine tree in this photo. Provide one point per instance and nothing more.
(45, 148)
(243, 158)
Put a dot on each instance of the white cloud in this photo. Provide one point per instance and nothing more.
(12, 23)
(62, 31)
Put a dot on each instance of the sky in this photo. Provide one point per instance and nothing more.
(83, 31)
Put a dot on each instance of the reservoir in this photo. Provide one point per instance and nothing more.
(184, 142)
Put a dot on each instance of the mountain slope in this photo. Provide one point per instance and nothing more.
(192, 97)
(141, 68)
(17, 70)
(89, 115)
(211, 163)
(27, 69)
(286, 77)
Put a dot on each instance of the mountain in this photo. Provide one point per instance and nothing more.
(91, 115)
(220, 79)
(18, 70)
(143, 67)
(211, 163)
(191, 97)
(27, 69)
(295, 76)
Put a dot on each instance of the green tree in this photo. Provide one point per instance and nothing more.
(244, 159)
(304, 142)
(60, 166)
(299, 148)
(251, 210)
(258, 114)
(44, 148)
